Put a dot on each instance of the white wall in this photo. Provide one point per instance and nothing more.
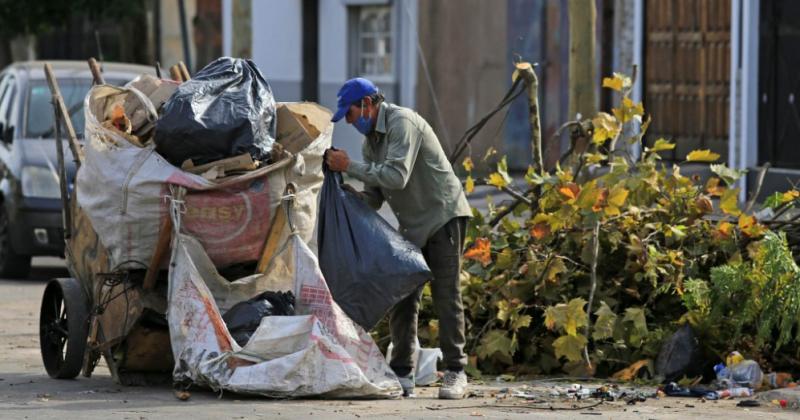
(277, 51)
(277, 45)
(332, 42)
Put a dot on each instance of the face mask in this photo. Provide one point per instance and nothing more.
(363, 124)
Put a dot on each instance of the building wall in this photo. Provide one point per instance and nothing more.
(171, 41)
(464, 44)
(277, 50)
(277, 45)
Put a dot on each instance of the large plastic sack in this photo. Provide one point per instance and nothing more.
(122, 188)
(319, 352)
(225, 110)
(367, 264)
(244, 318)
(425, 363)
(680, 356)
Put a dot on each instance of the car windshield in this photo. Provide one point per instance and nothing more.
(40, 114)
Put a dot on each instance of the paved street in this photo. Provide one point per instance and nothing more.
(27, 391)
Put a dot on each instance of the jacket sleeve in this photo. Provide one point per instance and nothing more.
(373, 197)
(404, 140)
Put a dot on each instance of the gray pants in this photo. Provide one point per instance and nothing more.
(442, 252)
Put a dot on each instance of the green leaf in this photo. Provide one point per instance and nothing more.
(730, 176)
(496, 345)
(604, 325)
(556, 267)
(569, 346)
(636, 316)
(555, 316)
(532, 177)
(504, 259)
(503, 310)
(576, 316)
(523, 321)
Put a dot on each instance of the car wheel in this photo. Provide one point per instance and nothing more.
(12, 265)
(63, 328)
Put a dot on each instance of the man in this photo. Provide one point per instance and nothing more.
(404, 164)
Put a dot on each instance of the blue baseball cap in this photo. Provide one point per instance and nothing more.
(351, 92)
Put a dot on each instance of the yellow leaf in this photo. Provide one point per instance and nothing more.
(750, 227)
(789, 196)
(497, 180)
(630, 373)
(631, 108)
(617, 196)
(468, 165)
(470, 185)
(591, 197)
(600, 200)
(661, 145)
(612, 211)
(729, 202)
(702, 156)
(605, 127)
(556, 267)
(638, 109)
(713, 188)
(724, 229)
(613, 83)
(593, 158)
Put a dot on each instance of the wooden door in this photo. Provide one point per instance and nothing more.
(687, 72)
(779, 84)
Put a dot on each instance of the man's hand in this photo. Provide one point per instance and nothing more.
(337, 160)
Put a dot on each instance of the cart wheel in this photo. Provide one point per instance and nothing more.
(63, 328)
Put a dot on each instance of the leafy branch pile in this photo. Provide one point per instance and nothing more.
(601, 261)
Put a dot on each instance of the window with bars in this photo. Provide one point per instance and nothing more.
(372, 53)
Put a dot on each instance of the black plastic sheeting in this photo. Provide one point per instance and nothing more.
(243, 318)
(680, 356)
(368, 265)
(225, 110)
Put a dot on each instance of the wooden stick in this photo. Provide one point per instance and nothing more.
(96, 74)
(164, 237)
(74, 146)
(272, 239)
(175, 73)
(184, 71)
(241, 162)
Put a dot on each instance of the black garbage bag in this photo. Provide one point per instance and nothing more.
(368, 265)
(225, 110)
(244, 317)
(680, 356)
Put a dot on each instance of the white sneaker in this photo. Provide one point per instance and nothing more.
(407, 383)
(454, 385)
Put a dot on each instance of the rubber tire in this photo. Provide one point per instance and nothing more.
(63, 328)
(12, 265)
